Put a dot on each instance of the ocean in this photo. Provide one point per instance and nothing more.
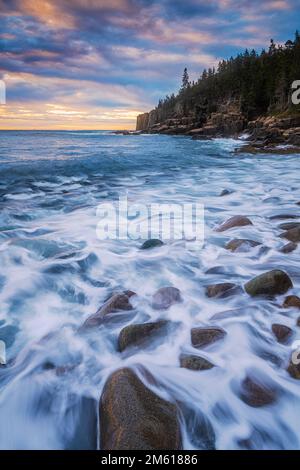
(56, 271)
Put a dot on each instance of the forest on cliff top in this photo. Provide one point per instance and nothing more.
(261, 82)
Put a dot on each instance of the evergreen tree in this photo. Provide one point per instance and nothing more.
(260, 83)
(185, 80)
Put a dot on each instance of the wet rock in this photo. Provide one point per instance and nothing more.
(236, 221)
(152, 243)
(116, 303)
(141, 334)
(294, 365)
(269, 147)
(165, 297)
(222, 290)
(241, 244)
(257, 394)
(283, 216)
(195, 132)
(292, 235)
(225, 192)
(192, 362)
(271, 283)
(288, 248)
(48, 365)
(291, 301)
(289, 225)
(59, 370)
(282, 332)
(271, 200)
(132, 417)
(62, 370)
(202, 137)
(254, 148)
(203, 336)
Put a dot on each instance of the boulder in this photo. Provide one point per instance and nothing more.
(192, 362)
(195, 132)
(222, 290)
(292, 235)
(202, 137)
(267, 148)
(294, 365)
(162, 129)
(241, 244)
(283, 216)
(289, 225)
(140, 334)
(118, 302)
(165, 297)
(257, 394)
(203, 336)
(152, 243)
(225, 192)
(288, 248)
(291, 301)
(210, 130)
(236, 221)
(132, 417)
(249, 149)
(282, 332)
(271, 283)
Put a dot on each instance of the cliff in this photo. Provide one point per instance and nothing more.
(227, 120)
(223, 102)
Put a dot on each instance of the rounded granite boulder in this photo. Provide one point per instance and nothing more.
(271, 283)
(133, 417)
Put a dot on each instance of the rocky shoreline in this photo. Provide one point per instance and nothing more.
(267, 134)
(135, 410)
(132, 415)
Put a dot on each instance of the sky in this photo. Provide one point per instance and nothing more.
(97, 64)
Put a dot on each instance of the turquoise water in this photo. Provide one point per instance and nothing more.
(55, 272)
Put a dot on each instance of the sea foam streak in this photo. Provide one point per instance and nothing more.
(55, 273)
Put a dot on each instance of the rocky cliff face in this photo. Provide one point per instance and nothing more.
(142, 122)
(226, 121)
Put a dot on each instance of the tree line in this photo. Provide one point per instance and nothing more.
(261, 82)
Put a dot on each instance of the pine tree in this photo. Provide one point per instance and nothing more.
(259, 82)
(204, 74)
(185, 80)
(272, 48)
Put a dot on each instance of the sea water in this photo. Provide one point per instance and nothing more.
(55, 272)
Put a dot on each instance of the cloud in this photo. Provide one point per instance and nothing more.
(120, 56)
